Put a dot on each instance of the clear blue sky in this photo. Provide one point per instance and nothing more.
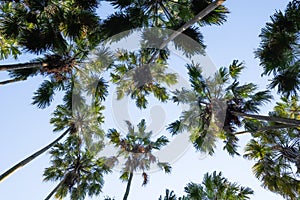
(25, 129)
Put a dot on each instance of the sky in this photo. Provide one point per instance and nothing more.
(25, 129)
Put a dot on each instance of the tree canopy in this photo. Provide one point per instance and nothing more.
(71, 45)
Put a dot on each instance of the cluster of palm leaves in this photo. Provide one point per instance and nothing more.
(279, 49)
(137, 149)
(214, 186)
(214, 107)
(63, 33)
(79, 171)
(134, 76)
(277, 153)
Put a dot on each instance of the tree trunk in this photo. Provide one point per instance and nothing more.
(212, 6)
(267, 128)
(54, 190)
(128, 186)
(28, 65)
(12, 81)
(268, 118)
(32, 157)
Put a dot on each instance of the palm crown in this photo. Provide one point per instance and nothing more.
(137, 150)
(277, 153)
(79, 171)
(213, 103)
(214, 186)
(279, 48)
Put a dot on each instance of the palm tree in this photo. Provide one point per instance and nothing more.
(78, 170)
(214, 187)
(279, 47)
(32, 157)
(178, 16)
(66, 128)
(216, 106)
(58, 66)
(44, 26)
(277, 153)
(73, 118)
(52, 24)
(138, 79)
(164, 13)
(62, 31)
(137, 150)
(142, 61)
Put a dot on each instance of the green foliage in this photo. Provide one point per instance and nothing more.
(214, 99)
(166, 167)
(235, 69)
(213, 186)
(218, 16)
(135, 77)
(278, 51)
(44, 95)
(109, 198)
(276, 153)
(65, 32)
(79, 171)
(43, 26)
(169, 195)
(8, 47)
(137, 148)
(163, 14)
(190, 42)
(167, 13)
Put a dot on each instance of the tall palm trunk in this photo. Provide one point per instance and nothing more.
(267, 128)
(12, 81)
(211, 7)
(28, 65)
(54, 190)
(128, 186)
(268, 118)
(32, 157)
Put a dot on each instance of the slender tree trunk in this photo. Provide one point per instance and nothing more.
(128, 186)
(267, 128)
(54, 190)
(212, 6)
(12, 81)
(30, 158)
(28, 65)
(268, 118)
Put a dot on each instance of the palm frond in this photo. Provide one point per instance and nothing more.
(45, 94)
